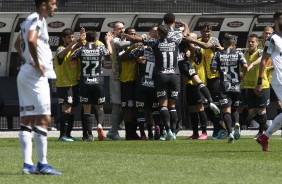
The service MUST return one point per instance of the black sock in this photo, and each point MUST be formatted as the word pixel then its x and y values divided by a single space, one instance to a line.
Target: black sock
pixel 203 120
pixel 64 124
pixel 228 121
pixel 261 119
pixel 235 116
pixel 194 117
pixel 165 117
pixel 173 119
pixel 141 122
pixel 205 91
pixel 216 125
pixel 100 116
pixel 88 122
pixel 70 125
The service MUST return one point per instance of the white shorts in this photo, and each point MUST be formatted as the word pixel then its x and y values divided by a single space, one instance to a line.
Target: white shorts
pixel 115 91
pixel 34 94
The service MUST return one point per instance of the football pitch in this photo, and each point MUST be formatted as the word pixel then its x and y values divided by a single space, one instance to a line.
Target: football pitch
pixel 180 161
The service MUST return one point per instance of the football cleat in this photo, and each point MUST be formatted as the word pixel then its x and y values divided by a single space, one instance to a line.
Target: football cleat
pixel 65 139
pixel 231 138
pixel 113 136
pixel 214 108
pixel 29 169
pixel 203 136
pixel 237 131
pixel 47 169
pixel 101 135
pixel 263 141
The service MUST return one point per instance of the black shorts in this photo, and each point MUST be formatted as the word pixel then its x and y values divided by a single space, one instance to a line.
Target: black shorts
pixel 92 94
pixel 127 94
pixel 243 97
pixel 68 95
pixel 187 69
pixel 255 101
pixel 273 96
pixel 167 86
pixel 230 99
pixel 213 86
pixel 193 95
pixel 145 97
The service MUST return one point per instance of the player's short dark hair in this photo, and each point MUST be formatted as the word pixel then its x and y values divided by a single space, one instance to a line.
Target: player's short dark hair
pixel 231 39
pixel 67 32
pixel 169 18
pixel 91 36
pixel 253 36
pixel 206 25
pixel 127 29
pixel 39 2
pixel 163 30
pixel 277 15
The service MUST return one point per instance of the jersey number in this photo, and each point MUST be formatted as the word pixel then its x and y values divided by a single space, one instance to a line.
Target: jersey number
pixel 233 76
pixel 90 68
pixel 149 70
pixel 167 61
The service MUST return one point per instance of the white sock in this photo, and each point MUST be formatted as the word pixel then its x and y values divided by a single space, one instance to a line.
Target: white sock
pixel 276 125
pixel 40 139
pixel 25 138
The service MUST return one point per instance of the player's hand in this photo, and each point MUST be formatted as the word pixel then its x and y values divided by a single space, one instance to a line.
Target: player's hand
pixel 250 67
pixel 258 90
pixel 40 69
pixel 108 37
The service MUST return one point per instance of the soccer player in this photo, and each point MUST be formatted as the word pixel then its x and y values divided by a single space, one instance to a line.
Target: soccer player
pixel 194 98
pixel 128 82
pixel 227 63
pixel 33 87
pixel 118 44
pixel 166 73
pixel 92 80
pixel 273 47
pixel 145 99
pixel 209 45
pixel 257 104
pixel 67 71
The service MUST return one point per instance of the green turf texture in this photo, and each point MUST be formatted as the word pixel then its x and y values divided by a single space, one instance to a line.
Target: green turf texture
pixel 180 161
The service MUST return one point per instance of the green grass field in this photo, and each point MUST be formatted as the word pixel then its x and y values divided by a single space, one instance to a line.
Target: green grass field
pixel 180 161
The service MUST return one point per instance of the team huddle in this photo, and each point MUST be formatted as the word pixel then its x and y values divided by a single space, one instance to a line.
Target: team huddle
pixel 220 82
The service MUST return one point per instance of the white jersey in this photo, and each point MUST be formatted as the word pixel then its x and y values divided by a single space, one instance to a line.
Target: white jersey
pixel 45 57
pixel 273 46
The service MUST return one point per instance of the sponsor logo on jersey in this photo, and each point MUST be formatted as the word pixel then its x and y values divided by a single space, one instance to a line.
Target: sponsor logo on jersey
pixel 28 108
pixel 236 103
pixel 56 24
pixel 85 52
pixel 91 81
pixel 161 93
pixel 123 104
pixel 139 104
pixel 2 24
pixel 235 24
pixel 148 83
pixel 130 103
pixel 169 70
